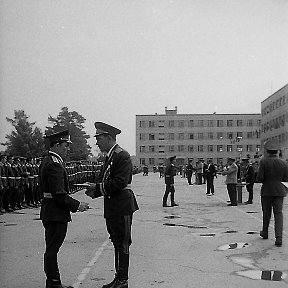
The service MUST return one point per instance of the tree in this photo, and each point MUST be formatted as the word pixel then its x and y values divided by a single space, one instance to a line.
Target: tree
pixel 25 141
pixel 74 123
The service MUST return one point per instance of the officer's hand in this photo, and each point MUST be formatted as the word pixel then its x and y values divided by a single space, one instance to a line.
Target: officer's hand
pixel 90 191
pixel 83 206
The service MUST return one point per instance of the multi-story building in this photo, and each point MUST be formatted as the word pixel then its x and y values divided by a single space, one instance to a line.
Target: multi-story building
pixel 196 136
pixel 274 124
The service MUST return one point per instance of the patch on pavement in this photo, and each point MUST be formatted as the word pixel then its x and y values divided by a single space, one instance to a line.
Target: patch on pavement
pixel 270 275
pixel 230 231
pixel 233 246
pixel 172 217
pixel 252 232
pixel 208 235
pixel 252 212
pixel 10 224
pixel 187 226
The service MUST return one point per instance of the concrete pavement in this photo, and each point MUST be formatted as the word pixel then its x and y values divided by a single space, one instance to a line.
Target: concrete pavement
pixel 201 243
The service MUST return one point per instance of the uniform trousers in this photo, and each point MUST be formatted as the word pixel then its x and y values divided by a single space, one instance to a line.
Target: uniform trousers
pixel 55 233
pixel 249 189
pixel 232 192
pixel 189 176
pixel 119 229
pixel 169 189
pixel 210 184
pixel 276 203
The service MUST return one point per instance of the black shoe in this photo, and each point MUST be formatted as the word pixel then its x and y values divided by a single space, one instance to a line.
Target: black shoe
pixel 248 202
pixel 232 205
pixel 165 205
pixel 116 283
pixel 174 204
pixel 111 284
pixel 53 285
pixel 264 235
pixel 278 242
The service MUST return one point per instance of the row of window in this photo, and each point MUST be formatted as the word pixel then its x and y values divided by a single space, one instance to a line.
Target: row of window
pixel 198 123
pixel 233 136
pixel 198 148
pixel 275 105
pixel 275 123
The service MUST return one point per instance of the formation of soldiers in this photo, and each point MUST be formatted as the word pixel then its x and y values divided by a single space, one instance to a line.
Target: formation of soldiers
pixel 19 180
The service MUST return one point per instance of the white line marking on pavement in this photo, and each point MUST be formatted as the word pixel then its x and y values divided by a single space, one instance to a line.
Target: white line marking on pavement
pixel 86 270
pixel 236 207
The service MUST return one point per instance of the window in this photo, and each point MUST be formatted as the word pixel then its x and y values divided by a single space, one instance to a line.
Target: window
pixel 200 148
pixel 181 123
pixel 229 123
pixel 171 136
pixel 180 148
pixel 259 122
pixel 249 135
pixel 151 149
pixel 210 148
pixel 161 136
pixel 161 149
pixel 151 136
pixel 230 135
pixel 142 124
pixel 191 123
pixel 249 122
pixel 239 148
pixel 249 148
pixel 190 148
pixel 220 123
pixel 171 123
pixel 151 161
pixel 191 135
pixel 181 136
pixel 171 148
pixel 210 123
pixel 142 136
pixel 210 135
pixel 200 123
pixel 229 148
pixel 200 136
pixel 219 135
pixel 142 149
pixel 239 123
pixel 151 124
pixel 220 161
pixel 258 148
pixel 239 136
pixel 219 148
pixel 142 161
pixel 161 124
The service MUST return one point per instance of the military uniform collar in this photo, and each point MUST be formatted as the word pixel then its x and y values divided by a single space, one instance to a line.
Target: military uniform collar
pixel 56 155
pixel 111 149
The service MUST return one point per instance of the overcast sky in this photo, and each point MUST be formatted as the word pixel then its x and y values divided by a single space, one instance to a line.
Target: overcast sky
pixel 111 60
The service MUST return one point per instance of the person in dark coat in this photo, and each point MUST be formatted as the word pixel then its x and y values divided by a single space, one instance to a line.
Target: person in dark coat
pixel 56 205
pixel 210 174
pixel 189 172
pixel 170 172
pixel 249 177
pixel 114 184
pixel 272 171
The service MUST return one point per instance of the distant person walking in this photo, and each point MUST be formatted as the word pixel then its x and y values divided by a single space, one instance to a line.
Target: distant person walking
pixel 272 171
pixel 210 174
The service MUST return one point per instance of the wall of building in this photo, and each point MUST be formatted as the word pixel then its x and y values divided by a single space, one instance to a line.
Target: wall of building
pixel 196 136
pixel 274 111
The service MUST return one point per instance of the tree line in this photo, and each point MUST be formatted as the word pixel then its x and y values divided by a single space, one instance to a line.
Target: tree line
pixel 27 140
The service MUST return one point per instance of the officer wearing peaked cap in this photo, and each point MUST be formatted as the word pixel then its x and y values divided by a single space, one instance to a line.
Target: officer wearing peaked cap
pixel 114 185
pixel 57 204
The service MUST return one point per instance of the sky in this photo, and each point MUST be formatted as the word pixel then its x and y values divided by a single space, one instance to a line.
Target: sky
pixel 110 60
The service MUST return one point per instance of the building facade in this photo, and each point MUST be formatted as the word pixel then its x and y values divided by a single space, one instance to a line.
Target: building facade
pixel 196 136
pixel 274 124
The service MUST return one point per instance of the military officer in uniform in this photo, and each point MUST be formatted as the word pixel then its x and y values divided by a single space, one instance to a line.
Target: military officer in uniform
pixel 114 184
pixel 57 204
pixel 249 177
pixel 170 172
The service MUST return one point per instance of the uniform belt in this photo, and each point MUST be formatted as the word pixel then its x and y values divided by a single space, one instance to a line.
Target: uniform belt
pixel 129 186
pixel 17 178
pixel 31 177
pixel 2 177
pixel 11 177
pixel 48 195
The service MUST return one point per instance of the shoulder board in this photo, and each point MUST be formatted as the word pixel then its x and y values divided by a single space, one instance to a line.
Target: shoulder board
pixel 118 149
pixel 55 159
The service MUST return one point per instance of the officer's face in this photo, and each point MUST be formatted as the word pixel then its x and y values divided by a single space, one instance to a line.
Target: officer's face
pixel 63 149
pixel 103 142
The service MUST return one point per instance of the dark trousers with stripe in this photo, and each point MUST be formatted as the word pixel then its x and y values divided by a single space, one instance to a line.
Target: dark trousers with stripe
pixel 119 229
pixel 55 233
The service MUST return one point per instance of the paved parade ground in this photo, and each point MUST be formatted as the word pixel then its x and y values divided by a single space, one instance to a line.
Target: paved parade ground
pixel 201 243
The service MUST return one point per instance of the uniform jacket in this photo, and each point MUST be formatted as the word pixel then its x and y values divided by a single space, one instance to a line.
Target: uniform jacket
pixel 114 184
pixel 54 185
pixel 272 171
pixel 231 174
pixel 169 174
pixel 211 170
pixel 249 174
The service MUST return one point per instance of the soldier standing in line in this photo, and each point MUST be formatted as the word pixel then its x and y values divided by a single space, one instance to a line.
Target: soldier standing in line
pixel 119 200
pixel 189 172
pixel 9 202
pixel 249 177
pixel 170 172
pixel 3 182
pixel 210 174
pixel 56 205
